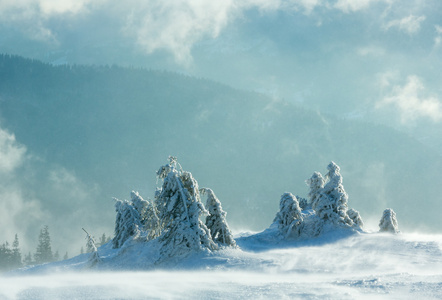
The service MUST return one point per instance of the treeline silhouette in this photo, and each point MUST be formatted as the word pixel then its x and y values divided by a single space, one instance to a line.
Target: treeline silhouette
pixel 11 256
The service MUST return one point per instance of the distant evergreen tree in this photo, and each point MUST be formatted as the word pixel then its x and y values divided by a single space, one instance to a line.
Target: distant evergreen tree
pixel 82 250
pixel 388 222
pixel 289 218
pixel 65 256
pixel 56 256
pixel 16 254
pixel 28 259
pixel 102 239
pixel 44 251
pixel 179 209
pixel 5 256
pixel 216 220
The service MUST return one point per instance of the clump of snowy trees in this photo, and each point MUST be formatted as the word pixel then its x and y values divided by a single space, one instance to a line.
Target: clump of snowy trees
pixel 10 258
pixel 179 222
pixel 326 208
pixel 173 219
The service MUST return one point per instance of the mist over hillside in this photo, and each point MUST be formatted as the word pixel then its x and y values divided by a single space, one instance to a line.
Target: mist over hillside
pixel 373 60
pixel 85 134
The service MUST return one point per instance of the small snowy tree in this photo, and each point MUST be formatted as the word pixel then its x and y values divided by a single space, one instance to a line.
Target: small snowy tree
pixel 331 206
pixel 139 204
pixel 94 258
pixel 316 184
pixel 354 215
pixel 216 220
pixel 148 214
pixel 127 223
pixel 179 209
pixel 388 222
pixel 289 218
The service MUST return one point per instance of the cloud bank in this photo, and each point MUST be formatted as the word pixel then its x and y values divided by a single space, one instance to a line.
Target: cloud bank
pixel 410 24
pixel 411 101
pixel 173 26
pixel 32 196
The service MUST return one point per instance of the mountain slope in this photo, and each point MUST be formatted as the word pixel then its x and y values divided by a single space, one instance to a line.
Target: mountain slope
pixel 113 127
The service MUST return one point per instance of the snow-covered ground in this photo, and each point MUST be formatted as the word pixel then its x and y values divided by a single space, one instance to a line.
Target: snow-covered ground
pixel 337 265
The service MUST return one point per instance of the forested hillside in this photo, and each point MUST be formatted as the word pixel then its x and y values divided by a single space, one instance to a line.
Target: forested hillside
pixel 113 126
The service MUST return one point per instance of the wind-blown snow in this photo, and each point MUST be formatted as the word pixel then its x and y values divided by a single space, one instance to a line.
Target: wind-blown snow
pixel 337 265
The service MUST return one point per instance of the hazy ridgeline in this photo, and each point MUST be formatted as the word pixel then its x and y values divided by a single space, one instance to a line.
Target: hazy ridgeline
pixel 105 130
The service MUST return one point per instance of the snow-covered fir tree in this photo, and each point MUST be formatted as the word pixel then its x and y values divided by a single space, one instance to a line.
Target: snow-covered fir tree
pixel 289 218
pixel 139 204
pixel 316 184
pixel 94 257
pixel 134 218
pixel 331 206
pixel 388 222
pixel 148 214
pixel 216 220
pixel 354 215
pixel 127 223
pixel 179 209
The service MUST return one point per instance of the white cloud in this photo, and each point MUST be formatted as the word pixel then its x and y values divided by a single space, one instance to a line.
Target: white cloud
pixel 171 25
pixel 438 38
pixel 410 102
pixel 12 154
pixel 410 24
pixel 356 5
pixel 27 8
pixel 17 214
pixel 68 185
pixel 177 25
pixel 370 51
pixel 17 210
pixel 32 17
